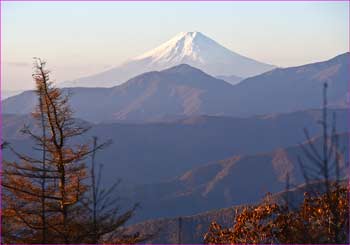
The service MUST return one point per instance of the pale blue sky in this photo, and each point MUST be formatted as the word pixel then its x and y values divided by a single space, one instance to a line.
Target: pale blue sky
pixel 81 38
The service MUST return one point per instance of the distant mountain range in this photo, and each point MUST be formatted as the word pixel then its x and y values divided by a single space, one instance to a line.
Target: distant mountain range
pixel 173 167
pixel 180 90
pixel 146 153
pixel 184 91
pixel 191 48
pixel 294 88
pixel 240 179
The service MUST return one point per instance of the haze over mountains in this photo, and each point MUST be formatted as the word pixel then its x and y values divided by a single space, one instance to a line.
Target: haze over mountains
pixel 193 48
pixel 187 91
pixel 240 179
pixel 171 148
pixel 198 163
pixel 197 127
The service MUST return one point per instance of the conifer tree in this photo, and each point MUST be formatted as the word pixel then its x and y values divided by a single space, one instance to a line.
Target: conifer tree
pixel 45 197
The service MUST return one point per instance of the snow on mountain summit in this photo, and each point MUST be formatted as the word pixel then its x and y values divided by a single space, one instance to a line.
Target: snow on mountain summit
pixel 184 44
pixel 192 48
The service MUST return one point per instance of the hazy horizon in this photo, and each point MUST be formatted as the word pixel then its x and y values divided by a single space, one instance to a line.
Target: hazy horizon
pixel 85 38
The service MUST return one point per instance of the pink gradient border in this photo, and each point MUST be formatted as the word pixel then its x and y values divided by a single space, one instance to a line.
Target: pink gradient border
pixel 174 0
pixel 0 119
pixel 1 70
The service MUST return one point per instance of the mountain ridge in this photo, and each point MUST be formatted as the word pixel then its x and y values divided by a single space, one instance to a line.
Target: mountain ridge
pixel 187 91
pixel 232 181
pixel 178 145
pixel 167 165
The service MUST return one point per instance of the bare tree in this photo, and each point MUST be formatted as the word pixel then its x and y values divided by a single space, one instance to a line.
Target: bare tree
pixel 106 221
pixel 324 171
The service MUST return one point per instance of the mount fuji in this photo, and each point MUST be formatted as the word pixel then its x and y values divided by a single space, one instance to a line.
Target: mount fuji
pixel 192 48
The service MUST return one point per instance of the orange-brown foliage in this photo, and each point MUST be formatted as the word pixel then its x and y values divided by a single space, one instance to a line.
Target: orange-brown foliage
pixel 314 221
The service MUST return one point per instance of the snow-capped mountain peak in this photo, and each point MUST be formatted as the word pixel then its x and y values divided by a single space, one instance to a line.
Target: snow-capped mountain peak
pixel 198 50
pixel 182 45
pixel 192 48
